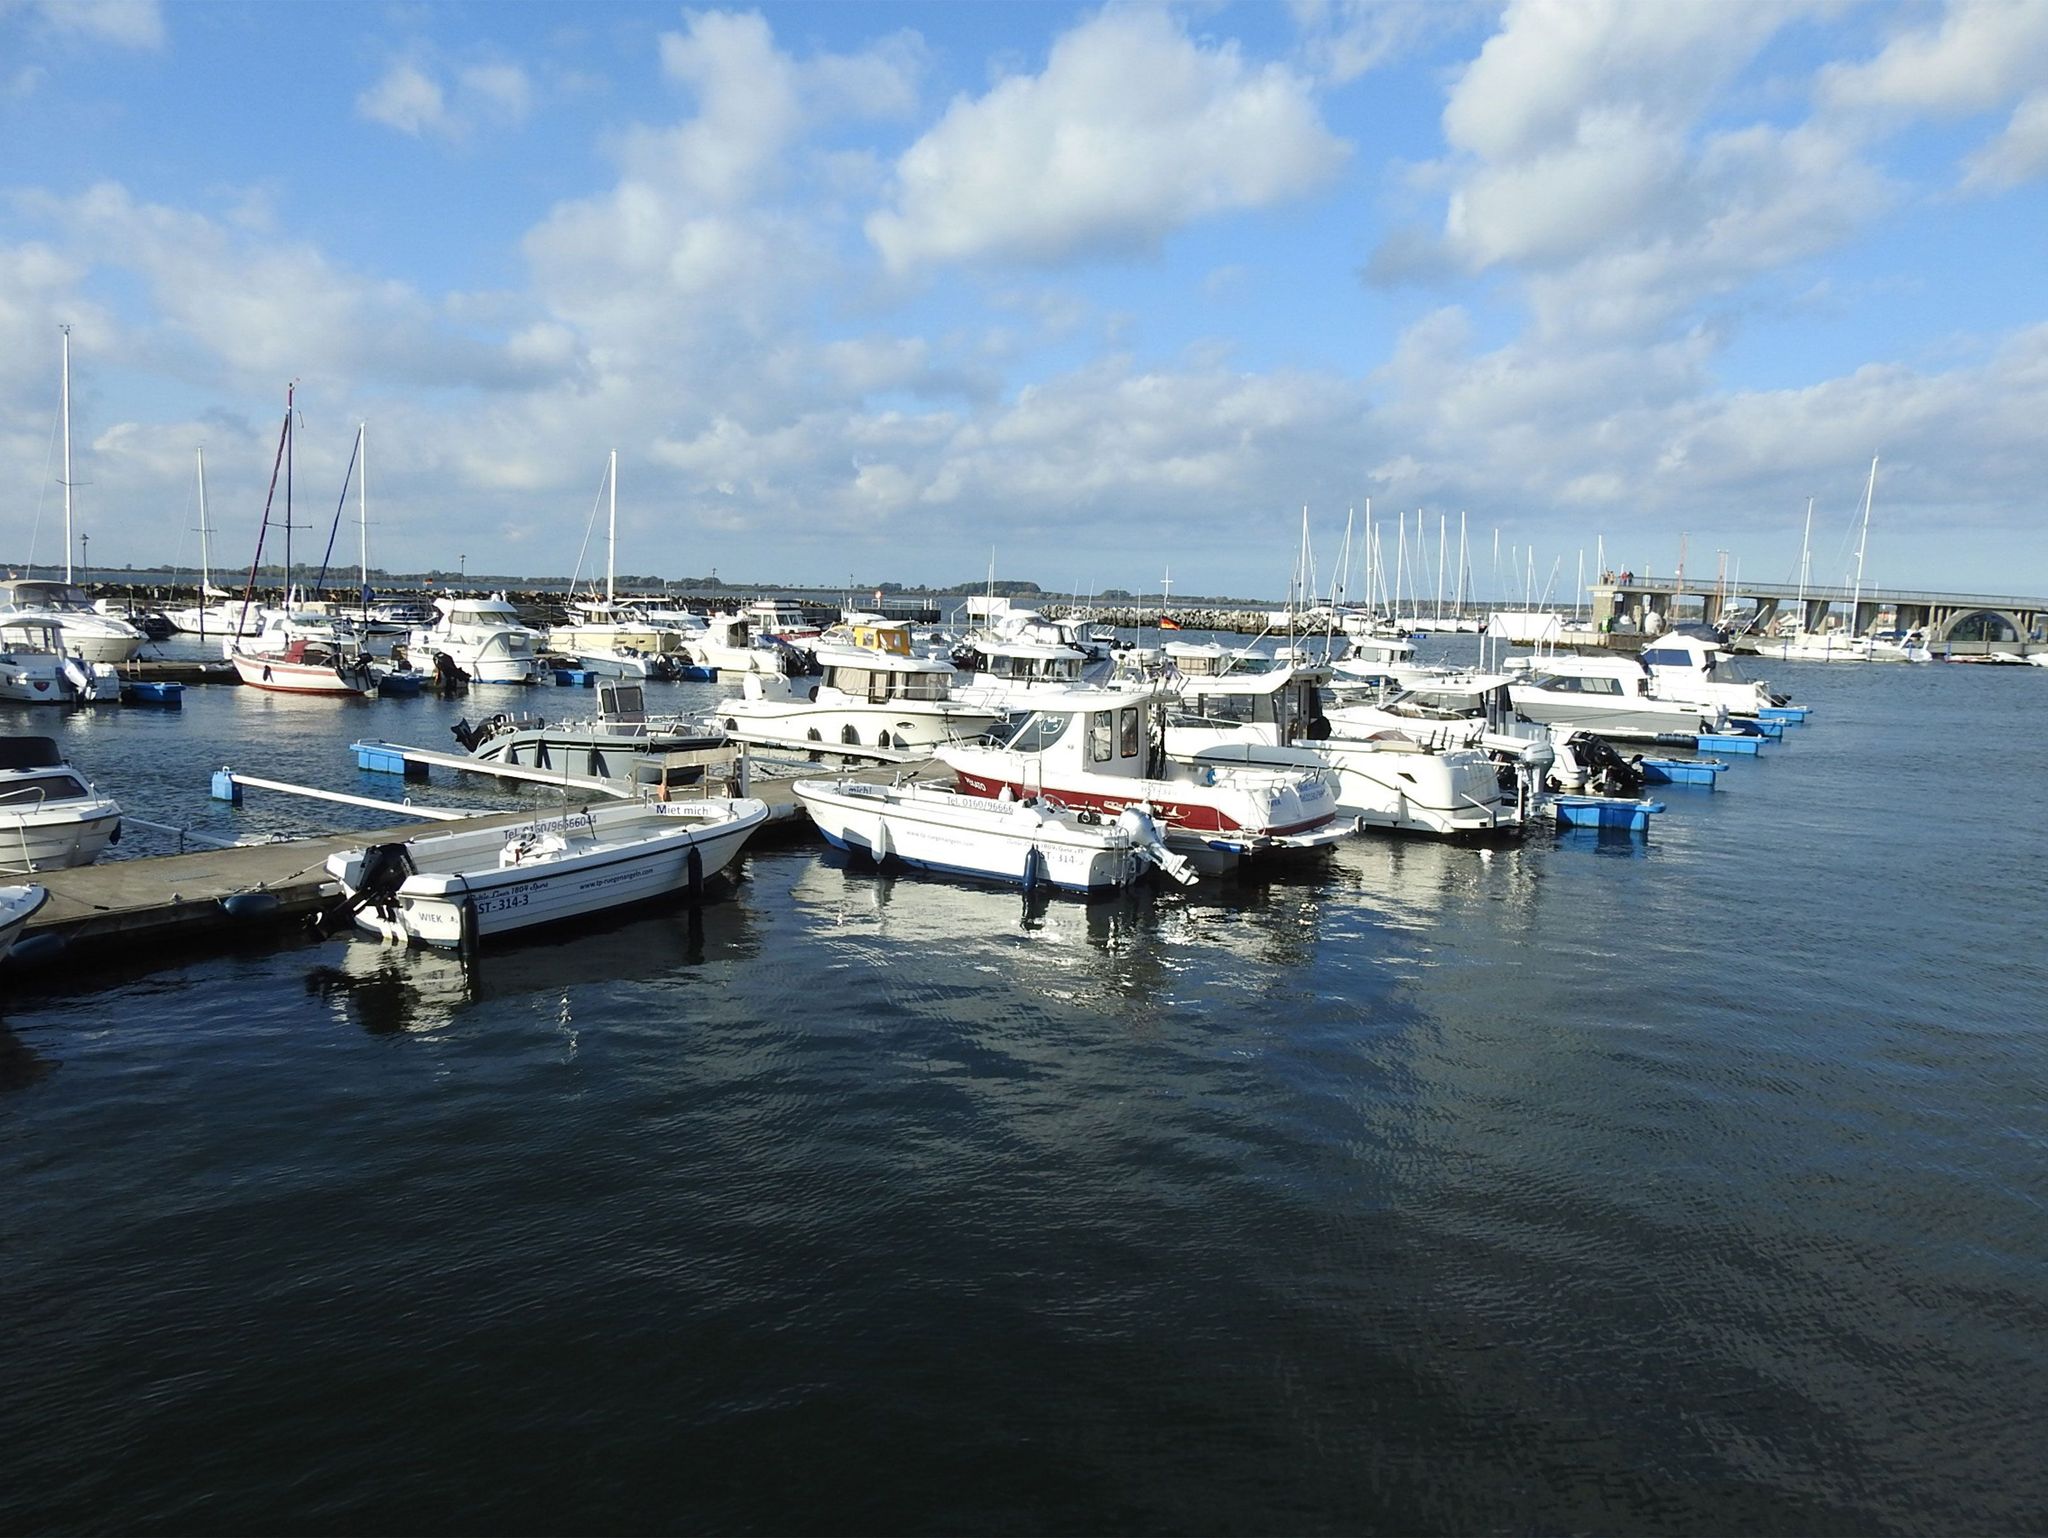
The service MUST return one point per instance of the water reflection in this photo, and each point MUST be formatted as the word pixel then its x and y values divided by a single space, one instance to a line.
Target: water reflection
pixel 387 989
pixel 20 1064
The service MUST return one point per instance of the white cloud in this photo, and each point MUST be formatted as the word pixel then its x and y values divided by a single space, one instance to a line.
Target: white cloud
pixel 410 98
pixel 2019 154
pixel 1982 54
pixel 1344 39
pixel 1132 131
pixel 124 23
pixel 406 99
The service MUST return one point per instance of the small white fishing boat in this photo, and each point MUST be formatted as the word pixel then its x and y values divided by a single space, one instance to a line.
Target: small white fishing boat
pixel 619 741
pixel 453 889
pixel 18 904
pixel 1027 842
pixel 1268 713
pixel 1103 749
pixel 51 817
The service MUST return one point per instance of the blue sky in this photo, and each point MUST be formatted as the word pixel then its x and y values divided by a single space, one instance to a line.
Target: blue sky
pixel 886 292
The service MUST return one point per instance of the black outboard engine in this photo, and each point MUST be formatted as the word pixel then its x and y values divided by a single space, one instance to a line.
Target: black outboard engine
pixel 385 869
pixel 1607 772
pixel 448 678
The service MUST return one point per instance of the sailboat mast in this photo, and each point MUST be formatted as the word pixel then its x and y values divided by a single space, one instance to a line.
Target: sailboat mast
pixel 1442 528
pixel 205 552
pixel 1862 542
pixel 363 514
pixel 66 413
pixel 611 534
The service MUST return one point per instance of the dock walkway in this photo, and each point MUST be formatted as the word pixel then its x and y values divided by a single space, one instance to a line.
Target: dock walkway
pixel 191 898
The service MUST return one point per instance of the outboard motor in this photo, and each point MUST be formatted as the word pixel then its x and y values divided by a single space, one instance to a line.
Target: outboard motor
pixel 385 869
pixel 1145 835
pixel 1591 761
pixel 448 677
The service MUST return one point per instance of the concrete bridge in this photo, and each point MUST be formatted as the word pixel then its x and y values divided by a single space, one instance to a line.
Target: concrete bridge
pixel 1959 621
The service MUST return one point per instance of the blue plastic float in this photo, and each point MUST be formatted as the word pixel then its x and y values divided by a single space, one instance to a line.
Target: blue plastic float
pixel 1618 812
pixel 1681 771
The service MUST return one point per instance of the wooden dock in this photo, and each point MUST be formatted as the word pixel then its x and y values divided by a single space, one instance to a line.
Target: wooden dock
pixel 205 899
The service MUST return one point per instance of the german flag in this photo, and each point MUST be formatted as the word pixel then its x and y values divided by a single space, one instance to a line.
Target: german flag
pixel 1168 622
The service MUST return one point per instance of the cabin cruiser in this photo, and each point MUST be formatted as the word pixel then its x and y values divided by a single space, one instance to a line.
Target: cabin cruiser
pixel 34 669
pixel 1004 673
pixel 1691 668
pixel 726 645
pixel 484 637
pixel 1273 716
pixel 87 634
pixel 1102 748
pixel 872 692
pixel 51 817
pixel 621 741
pixel 785 618
pixel 1610 695
pixel 608 638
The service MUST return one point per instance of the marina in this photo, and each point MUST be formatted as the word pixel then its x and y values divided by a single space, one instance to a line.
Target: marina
pixel 1493 1136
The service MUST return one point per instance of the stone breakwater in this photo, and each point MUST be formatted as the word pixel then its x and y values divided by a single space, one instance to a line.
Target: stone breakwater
pixel 1238 621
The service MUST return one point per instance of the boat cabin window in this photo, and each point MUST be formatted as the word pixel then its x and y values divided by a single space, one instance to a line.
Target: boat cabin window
pixel 1101 736
pixel 39 788
pixel 1127 733
pixel 1037 731
pixel 921 686
pixel 1573 683
pixel 1225 707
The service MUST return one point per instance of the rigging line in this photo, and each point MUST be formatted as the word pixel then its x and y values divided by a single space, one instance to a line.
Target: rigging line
pixel 589 528
pixel 320 587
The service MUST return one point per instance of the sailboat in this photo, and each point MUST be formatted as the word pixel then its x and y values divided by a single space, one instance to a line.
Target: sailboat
pixel 83 632
pixel 602 636
pixel 1843 644
pixel 205 617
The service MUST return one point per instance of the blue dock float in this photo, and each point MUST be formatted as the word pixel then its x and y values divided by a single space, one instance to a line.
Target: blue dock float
pixel 1682 771
pixel 379 757
pixel 575 678
pixel 1718 742
pixel 1795 714
pixel 1618 812
pixel 1756 726
pixel 154 692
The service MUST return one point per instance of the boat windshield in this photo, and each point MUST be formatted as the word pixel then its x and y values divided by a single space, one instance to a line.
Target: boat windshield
pixel 1032 732
pixel 35 789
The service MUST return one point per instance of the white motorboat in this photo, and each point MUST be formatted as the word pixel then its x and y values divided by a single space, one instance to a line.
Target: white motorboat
pixel 1270 715
pixel 725 644
pixel 1004 673
pixel 784 618
pixel 620 741
pixel 86 633
pixel 1102 749
pixel 18 904
pixel 1610 695
pixel 873 693
pixel 452 889
pixel 34 669
pixel 484 637
pixel 1695 670
pixel 1026 842
pixel 51 817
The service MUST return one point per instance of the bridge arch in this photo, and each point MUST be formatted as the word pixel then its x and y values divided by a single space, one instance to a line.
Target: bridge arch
pixel 1979 625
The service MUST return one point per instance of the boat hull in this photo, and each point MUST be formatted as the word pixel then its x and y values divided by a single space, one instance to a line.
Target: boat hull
pixel 465 887
pixel 936 829
pixel 1397 785
pixel 59 836
pixel 18 904
pixel 281 677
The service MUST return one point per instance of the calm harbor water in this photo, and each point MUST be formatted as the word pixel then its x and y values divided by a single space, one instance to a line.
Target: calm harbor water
pixel 1687 1183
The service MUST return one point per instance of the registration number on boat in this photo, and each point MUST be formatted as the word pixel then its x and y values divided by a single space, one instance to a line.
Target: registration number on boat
pixel 501 903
